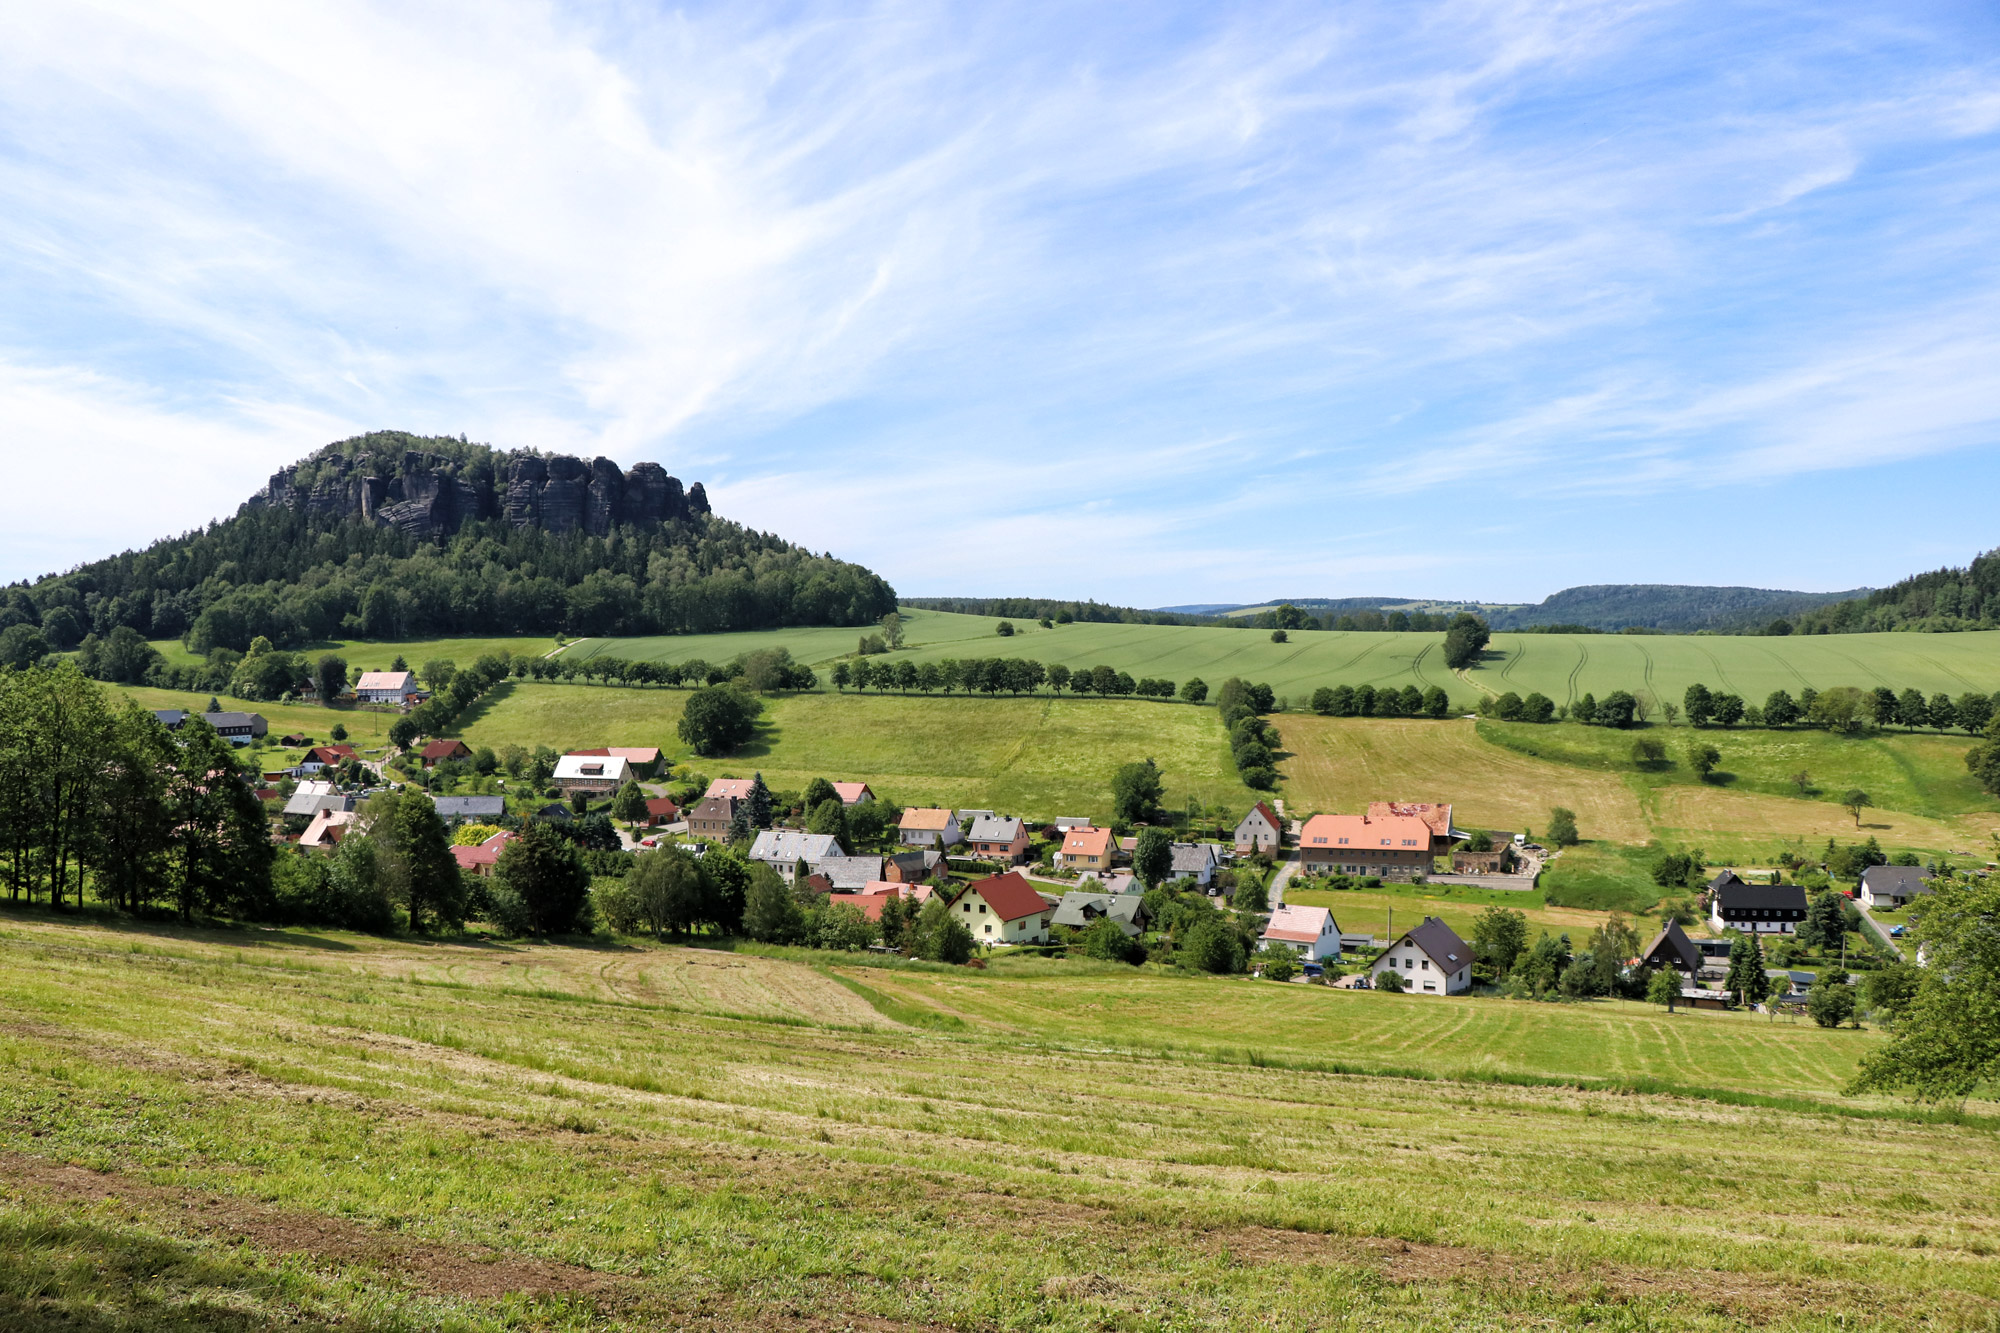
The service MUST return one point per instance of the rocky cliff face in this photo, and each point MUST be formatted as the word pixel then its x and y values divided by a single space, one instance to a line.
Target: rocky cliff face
pixel 427 496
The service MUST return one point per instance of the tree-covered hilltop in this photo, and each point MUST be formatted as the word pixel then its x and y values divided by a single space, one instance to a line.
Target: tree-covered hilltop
pixel 392 536
pixel 1942 600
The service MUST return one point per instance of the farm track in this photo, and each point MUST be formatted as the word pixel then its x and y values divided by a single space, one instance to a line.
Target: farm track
pixel 1721 676
pixel 1858 665
pixel 1514 659
pixel 1792 667
pixel 1647 658
pixel 1582 660
pixel 1949 671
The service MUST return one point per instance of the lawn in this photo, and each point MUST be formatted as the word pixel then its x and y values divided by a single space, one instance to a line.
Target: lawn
pixel 1369 911
pixel 1561 666
pixel 244 1130
pixel 1037 757
pixel 366 726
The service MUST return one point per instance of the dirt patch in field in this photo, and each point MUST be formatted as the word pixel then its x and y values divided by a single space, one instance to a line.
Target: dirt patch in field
pixel 1756 1298
pixel 473 1271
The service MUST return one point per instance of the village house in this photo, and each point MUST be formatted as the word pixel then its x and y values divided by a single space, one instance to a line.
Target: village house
pixel 1311 932
pixel 846 874
pixel 852 793
pixel 912 867
pixel 1005 909
pixel 387 687
pixel 171 718
pixel 783 849
pixel 1389 846
pixel 309 798
pixel 870 904
pixel 1260 831
pixel 1078 910
pixel 737 789
pixel 480 858
pixel 470 809
pixel 998 838
pixel 923 826
pixel 237 728
pixel 597 775
pixel 328 827
pixel 644 760
pixel 1672 948
pixel 1430 958
pixel 1436 818
pixel 324 756
pixel 1892 886
pixel 1195 861
pixel 1087 849
pixel 713 818
pixel 661 811
pixel 1755 909
pixel 1112 881
pixel 438 752
pixel 295 740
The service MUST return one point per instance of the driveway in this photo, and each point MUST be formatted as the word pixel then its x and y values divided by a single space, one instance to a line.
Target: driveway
pixel 1880 931
pixel 1274 896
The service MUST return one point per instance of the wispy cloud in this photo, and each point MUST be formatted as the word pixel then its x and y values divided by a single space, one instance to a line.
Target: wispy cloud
pixel 1215 297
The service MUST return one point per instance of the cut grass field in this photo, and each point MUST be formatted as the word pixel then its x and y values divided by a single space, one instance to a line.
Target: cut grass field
pixel 1508 776
pixel 369 655
pixel 249 1130
pixel 1038 757
pixel 366 726
pixel 1564 667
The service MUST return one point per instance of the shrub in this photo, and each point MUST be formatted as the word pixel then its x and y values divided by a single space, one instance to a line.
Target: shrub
pixel 1280 964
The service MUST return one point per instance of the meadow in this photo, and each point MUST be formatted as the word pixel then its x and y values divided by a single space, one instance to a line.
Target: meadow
pixel 1041 757
pixel 248 1130
pixel 368 655
pixel 1564 667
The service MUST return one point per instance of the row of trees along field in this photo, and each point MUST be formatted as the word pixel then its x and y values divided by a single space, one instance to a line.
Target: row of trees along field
pixel 1845 709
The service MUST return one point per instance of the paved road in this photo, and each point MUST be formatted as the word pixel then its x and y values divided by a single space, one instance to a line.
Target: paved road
pixel 1880 931
pixel 1274 896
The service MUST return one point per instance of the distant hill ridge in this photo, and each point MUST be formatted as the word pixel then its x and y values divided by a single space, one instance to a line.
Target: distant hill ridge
pixel 1667 607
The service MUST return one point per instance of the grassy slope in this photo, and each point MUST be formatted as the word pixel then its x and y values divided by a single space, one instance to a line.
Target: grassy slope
pixel 1340 763
pixel 1367 911
pixel 365 655
pixel 300 1133
pixel 1040 757
pixel 1560 666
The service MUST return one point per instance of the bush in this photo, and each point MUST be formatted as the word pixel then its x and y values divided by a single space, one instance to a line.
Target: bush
pixel 1280 965
pixel 1105 940
pixel 1389 980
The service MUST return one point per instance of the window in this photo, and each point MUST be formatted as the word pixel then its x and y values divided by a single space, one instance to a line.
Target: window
pixel 989 927
pixel 1427 964
pixel 982 909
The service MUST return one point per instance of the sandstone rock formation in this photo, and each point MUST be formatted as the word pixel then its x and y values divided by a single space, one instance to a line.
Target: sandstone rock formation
pixel 427 496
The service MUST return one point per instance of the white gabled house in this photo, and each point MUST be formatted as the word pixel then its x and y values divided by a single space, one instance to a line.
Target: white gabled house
pixel 1430 958
pixel 1311 932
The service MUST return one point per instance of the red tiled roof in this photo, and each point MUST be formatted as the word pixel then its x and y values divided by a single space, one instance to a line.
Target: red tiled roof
pixel 661 805
pixel 851 792
pixel 1365 833
pixel 736 787
pixel 1010 895
pixel 871 903
pixel 926 819
pixel 446 749
pixel 1437 817
pixel 483 854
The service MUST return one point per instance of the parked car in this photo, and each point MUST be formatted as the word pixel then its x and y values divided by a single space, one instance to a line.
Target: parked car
pixel 1896 931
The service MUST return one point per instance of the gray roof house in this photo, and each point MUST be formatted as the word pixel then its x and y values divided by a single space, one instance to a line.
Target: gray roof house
pixel 847 873
pixel 783 848
pixel 237 728
pixel 470 807
pixel 1892 886
pixel 309 798
pixel 1078 910
pixel 1195 861
pixel 1431 958
pixel 171 718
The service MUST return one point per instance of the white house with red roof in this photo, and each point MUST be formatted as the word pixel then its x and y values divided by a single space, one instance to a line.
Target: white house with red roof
pixel 1005 909
pixel 1391 847
pixel 852 793
pixel 1311 932
pixel 1260 831
pixel 481 857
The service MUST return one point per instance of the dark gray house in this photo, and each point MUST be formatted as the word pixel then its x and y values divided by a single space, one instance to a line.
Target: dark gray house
pixel 237 728
pixel 1755 909
pixel 1892 886
pixel 470 809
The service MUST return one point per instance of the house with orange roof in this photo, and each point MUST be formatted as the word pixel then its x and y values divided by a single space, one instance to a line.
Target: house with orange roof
pixel 871 904
pixel 1005 909
pixel 1436 817
pixel 923 826
pixel 1087 848
pixel 852 793
pixel 1391 846
pixel 735 789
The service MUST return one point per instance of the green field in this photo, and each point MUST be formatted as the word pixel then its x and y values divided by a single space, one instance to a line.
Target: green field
pixel 1038 757
pixel 365 655
pixel 248 1130
pixel 1564 667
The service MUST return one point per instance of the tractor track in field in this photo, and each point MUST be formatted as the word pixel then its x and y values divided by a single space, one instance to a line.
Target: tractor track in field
pixel 1582 660
pixel 1792 667
pixel 1856 663
pixel 1720 674
pixel 1941 667
pixel 1647 675
pixel 1514 659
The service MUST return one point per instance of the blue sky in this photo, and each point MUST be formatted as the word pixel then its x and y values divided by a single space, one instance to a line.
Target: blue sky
pixel 1145 302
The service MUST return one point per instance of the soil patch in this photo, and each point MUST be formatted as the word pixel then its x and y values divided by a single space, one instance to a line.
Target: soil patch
pixel 473 1271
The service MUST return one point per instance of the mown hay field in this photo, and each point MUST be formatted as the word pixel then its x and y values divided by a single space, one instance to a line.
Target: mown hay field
pixel 1508 776
pixel 1562 666
pixel 262 1129
pixel 370 655
pixel 1039 757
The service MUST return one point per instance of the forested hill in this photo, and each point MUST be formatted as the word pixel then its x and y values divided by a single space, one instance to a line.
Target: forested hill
pixel 390 536
pixel 1944 599
pixel 1667 607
